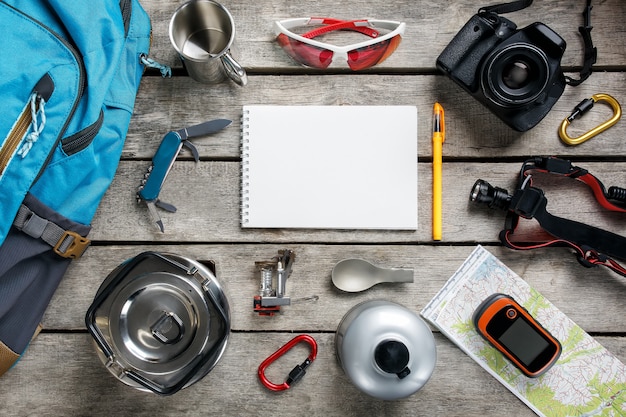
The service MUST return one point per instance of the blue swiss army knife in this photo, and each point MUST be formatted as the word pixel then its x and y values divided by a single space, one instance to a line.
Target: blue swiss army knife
pixel 163 159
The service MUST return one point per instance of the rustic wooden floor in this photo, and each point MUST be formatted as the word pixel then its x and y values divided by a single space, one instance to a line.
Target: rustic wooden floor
pixel 60 373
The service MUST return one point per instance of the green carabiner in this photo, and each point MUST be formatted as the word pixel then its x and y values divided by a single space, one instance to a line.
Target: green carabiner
pixel 581 109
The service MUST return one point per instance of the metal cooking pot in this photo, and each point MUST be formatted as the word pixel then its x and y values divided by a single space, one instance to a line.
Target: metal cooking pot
pixel 160 322
pixel 385 349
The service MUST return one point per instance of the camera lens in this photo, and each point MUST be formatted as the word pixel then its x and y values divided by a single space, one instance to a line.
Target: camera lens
pixel 515 75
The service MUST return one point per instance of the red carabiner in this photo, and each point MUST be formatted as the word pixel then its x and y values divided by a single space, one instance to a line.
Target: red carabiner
pixel 298 372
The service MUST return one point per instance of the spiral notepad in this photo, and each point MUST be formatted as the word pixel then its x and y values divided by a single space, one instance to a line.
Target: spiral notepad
pixel 329 167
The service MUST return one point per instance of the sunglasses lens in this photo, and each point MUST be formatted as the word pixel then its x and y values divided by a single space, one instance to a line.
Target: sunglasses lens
pixel 371 55
pixel 305 54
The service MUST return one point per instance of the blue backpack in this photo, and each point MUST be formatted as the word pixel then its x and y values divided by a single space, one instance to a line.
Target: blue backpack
pixel 69 76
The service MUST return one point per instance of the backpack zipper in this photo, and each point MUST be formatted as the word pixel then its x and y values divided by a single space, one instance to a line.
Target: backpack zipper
pixel 126 7
pixel 17 133
pixel 43 90
pixel 81 82
pixel 79 141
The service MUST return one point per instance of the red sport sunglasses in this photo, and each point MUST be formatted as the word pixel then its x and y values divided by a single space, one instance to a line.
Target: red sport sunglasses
pixel 307 51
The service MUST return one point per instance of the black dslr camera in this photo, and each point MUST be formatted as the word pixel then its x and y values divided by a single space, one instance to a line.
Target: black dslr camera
pixel 515 73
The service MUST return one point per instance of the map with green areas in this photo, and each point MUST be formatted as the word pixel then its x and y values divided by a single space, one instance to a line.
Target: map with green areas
pixel 587 379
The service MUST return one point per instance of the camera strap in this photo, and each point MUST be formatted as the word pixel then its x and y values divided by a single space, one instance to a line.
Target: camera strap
pixel 593 246
pixel 591 52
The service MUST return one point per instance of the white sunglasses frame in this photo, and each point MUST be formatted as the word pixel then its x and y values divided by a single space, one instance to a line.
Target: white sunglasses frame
pixel 283 26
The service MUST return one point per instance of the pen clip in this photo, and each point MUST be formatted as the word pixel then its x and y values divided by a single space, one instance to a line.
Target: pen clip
pixel 439 125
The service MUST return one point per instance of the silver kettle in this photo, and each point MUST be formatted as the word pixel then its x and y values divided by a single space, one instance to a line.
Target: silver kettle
pixel 385 349
pixel 160 322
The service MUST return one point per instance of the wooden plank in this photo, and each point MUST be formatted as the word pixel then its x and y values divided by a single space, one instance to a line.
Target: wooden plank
pixel 587 296
pixel 431 26
pixel 472 130
pixel 77 384
pixel 208 198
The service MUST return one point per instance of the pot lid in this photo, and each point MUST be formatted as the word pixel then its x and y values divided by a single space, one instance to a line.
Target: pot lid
pixel 387 350
pixel 161 321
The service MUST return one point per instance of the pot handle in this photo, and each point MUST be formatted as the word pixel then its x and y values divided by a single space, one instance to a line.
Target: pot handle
pixel 168 329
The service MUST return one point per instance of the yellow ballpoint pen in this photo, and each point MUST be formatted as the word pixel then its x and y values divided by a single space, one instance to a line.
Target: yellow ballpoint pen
pixel 439 136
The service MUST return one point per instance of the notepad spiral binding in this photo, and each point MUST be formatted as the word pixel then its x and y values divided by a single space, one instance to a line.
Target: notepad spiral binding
pixel 245 169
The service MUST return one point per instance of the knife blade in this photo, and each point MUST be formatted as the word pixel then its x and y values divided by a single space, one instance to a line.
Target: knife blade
pixel 203 129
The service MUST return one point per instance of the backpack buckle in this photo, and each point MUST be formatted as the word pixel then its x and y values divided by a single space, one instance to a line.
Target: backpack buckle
pixel 71 245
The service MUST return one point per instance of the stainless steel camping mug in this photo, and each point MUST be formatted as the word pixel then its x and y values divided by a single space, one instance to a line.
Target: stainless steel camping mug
pixel 202 32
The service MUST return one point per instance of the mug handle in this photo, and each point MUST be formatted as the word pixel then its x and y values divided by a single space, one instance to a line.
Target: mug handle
pixel 234 71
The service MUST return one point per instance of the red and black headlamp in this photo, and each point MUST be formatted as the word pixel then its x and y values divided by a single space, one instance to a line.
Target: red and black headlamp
pixel 593 246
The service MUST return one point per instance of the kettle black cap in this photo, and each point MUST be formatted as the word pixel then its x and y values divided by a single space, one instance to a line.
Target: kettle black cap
pixel 392 357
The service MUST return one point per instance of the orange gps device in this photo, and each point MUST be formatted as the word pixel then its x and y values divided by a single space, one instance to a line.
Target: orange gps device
pixel 513 331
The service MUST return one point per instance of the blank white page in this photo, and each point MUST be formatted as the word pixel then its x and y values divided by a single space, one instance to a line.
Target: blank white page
pixel 329 167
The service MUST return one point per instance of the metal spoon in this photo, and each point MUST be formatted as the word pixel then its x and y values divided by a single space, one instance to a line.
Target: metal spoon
pixel 354 275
